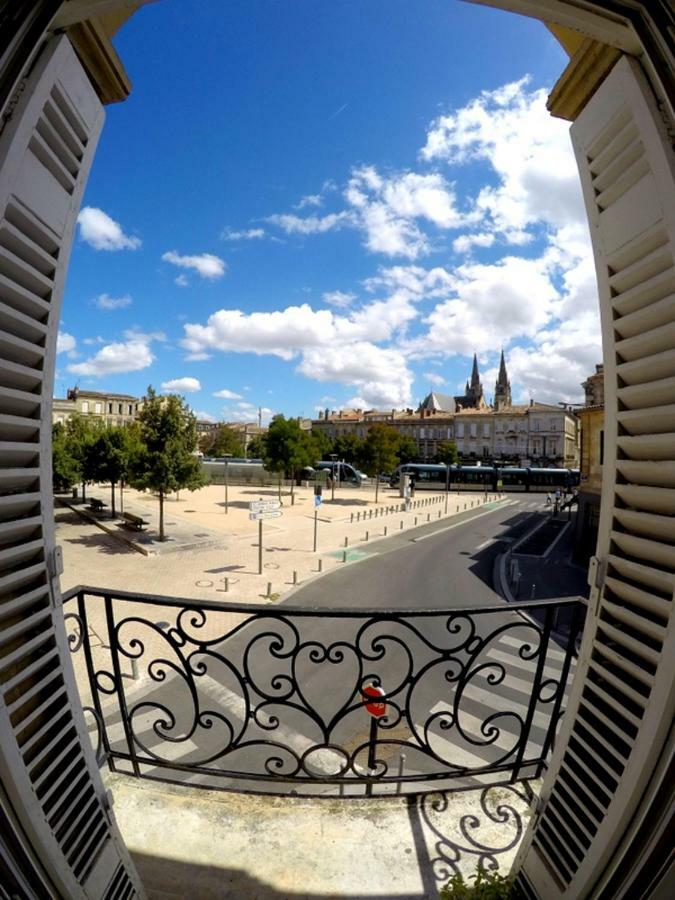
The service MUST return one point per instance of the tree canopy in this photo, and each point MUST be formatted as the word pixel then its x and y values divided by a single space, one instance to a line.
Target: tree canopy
pixel 380 452
pixel 166 460
pixel 225 442
pixel 288 448
pixel 447 453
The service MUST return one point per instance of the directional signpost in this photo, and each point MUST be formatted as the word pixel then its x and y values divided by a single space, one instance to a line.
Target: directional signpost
pixel 258 510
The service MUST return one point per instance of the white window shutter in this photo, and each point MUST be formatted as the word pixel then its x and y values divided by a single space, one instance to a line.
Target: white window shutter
pixel 50 788
pixel 602 800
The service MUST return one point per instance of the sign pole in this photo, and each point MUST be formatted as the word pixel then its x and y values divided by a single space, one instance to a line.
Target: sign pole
pixel 316 520
pixel 260 564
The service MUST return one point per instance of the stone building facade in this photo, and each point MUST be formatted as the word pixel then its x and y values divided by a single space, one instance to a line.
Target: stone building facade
pixel 103 406
pixel 532 434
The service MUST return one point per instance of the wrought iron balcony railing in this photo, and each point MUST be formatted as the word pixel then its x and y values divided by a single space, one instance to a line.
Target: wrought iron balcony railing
pixel 314 702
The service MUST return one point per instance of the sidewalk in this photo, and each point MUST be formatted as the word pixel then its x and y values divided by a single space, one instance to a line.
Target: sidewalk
pixel 550 576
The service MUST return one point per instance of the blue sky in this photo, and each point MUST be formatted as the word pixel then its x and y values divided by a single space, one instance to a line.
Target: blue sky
pixel 309 205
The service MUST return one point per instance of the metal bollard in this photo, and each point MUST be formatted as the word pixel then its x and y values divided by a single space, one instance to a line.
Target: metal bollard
pixel 400 525
pixel 269 588
pixel 439 513
pixel 295 576
pixel 134 669
pixel 428 517
pixel 367 536
pixel 401 769
pixel 226 584
pixel 346 542
pixel 415 520
pixel 320 568
pixel 344 556
pixel 351 518
pixel 385 530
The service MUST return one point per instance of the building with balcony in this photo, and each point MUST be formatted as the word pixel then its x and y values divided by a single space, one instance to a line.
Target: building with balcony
pixel 101 406
pixel 592 419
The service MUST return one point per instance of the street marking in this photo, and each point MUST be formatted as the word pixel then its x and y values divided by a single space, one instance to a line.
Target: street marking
pixel 486 512
pixel 485 543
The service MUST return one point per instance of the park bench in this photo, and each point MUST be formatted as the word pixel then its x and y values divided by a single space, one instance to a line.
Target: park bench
pixel 96 505
pixel 134 521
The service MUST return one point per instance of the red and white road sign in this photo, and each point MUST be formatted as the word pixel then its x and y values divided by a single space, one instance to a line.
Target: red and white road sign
pixel 376 708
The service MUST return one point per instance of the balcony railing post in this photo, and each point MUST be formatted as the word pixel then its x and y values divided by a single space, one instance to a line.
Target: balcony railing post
pixel 119 688
pixel 91 675
pixel 534 696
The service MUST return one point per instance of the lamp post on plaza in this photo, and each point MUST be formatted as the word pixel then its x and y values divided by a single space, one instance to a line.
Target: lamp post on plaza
pixel 226 483
pixel 333 472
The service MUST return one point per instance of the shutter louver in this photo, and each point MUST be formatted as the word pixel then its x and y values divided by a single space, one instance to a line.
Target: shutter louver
pixel 46 764
pixel 614 738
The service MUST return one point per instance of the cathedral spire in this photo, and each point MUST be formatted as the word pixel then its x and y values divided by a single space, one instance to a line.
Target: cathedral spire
pixel 475 379
pixel 502 386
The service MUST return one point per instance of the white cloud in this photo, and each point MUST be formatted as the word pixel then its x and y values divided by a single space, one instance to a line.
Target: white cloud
pixel 227 395
pixel 339 299
pixel 106 302
pixel 94 340
pixel 203 416
pixel 181 280
pixel 309 200
pixel 65 343
pixel 311 224
pixel 146 337
pixel 530 152
pixel 103 233
pixel 182 385
pixel 438 380
pixel 490 305
pixel 205 264
pixel 197 357
pixel 249 234
pixel 465 242
pixel 113 359
pixel 247 412
pixel 380 376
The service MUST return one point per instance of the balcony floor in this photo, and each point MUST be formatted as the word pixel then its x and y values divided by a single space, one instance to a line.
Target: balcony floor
pixel 202 844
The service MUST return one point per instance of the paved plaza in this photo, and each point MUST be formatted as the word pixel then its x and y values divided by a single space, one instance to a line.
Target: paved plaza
pixel 212 551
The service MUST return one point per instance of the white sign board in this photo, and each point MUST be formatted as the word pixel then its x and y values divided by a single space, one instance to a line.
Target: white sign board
pixel 264 505
pixel 265 514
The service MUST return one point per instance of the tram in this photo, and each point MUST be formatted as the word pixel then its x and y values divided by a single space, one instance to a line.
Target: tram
pixel 480 478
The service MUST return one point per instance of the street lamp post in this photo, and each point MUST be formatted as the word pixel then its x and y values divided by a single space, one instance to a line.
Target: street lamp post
pixel 333 472
pixel 226 485
pixel 447 485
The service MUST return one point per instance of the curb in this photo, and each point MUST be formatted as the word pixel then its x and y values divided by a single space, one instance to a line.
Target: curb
pixel 83 514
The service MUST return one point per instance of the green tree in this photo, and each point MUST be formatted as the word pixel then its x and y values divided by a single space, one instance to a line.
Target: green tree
pixel 226 442
pixel 380 452
pixel 447 453
pixel 256 447
pixel 112 451
pixel 348 447
pixel 288 449
pixel 166 461
pixel 80 434
pixel 407 449
pixel 66 468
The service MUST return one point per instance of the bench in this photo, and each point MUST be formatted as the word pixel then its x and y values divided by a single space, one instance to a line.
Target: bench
pixel 134 521
pixel 97 505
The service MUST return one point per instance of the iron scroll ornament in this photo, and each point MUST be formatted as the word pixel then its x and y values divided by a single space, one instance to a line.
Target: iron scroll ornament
pixel 275 702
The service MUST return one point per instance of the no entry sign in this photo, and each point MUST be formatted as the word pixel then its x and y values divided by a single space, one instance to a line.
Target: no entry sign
pixel 376 708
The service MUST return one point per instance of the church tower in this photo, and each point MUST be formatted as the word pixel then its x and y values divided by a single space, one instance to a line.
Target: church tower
pixel 475 389
pixel 502 386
